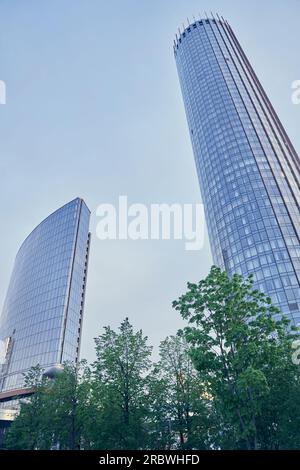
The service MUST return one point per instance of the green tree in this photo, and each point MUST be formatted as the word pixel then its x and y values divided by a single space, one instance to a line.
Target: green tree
pixel 120 379
pixel 158 419
pixel 54 416
pixel 28 430
pixel 184 398
pixel 243 355
pixel 66 406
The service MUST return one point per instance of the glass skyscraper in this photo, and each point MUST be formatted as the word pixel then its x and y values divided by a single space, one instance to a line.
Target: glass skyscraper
pixel 248 170
pixel 42 315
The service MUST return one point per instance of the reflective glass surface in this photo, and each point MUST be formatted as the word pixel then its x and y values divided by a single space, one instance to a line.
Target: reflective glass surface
pixel 42 313
pixel 247 167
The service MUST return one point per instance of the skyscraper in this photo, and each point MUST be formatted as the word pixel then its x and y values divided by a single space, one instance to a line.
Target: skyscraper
pixel 41 320
pixel 248 170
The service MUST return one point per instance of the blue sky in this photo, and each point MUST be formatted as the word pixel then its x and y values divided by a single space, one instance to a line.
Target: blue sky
pixel 94 109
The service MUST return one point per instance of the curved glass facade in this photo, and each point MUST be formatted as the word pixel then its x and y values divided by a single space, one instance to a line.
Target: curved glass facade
pixel 248 170
pixel 42 314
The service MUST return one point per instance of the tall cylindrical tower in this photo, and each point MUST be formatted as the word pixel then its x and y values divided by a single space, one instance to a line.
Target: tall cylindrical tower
pixel 248 170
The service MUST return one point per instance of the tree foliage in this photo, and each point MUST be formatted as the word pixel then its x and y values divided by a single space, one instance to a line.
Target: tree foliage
pixel 225 381
pixel 244 356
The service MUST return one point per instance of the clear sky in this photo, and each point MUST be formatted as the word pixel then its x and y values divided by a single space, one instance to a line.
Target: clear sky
pixel 94 110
